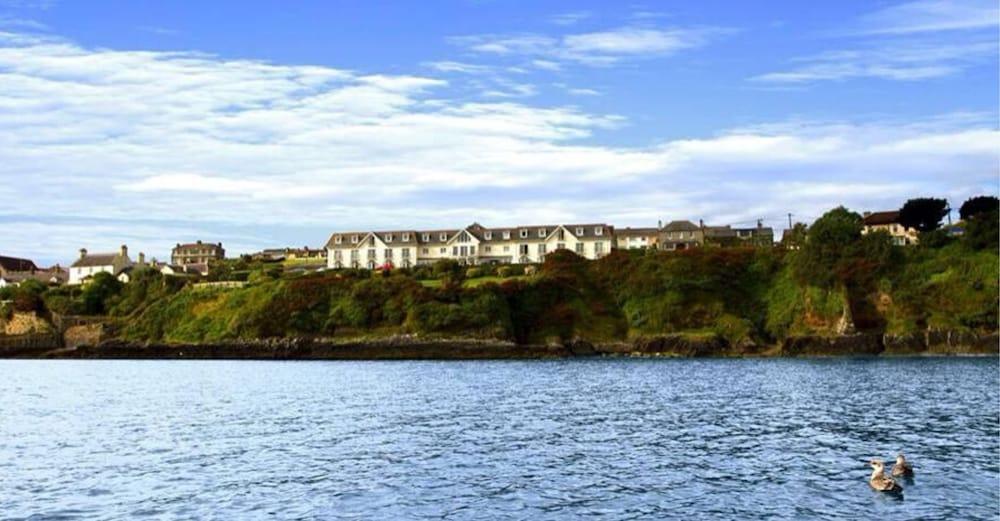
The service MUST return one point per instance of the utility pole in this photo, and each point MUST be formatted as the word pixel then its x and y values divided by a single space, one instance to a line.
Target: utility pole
pixel 789 220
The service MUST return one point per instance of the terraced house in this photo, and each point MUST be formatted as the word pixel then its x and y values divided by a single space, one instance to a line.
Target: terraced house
pixel 472 245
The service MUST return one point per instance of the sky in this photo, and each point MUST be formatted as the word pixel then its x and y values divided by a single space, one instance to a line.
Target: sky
pixel 272 124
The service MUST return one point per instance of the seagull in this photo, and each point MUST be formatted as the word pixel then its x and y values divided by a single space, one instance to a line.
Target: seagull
pixel 879 481
pixel 902 468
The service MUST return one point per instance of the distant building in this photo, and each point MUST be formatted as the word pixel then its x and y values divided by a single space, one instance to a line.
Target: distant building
pixel 889 222
pixel 10 265
pixel 636 238
pixel 681 235
pixel 759 236
pixel 474 244
pixel 90 264
pixel 197 255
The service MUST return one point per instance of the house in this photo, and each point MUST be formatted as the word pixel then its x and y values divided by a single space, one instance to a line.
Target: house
pixel 90 264
pixel 759 236
pixel 636 238
pixel 197 255
pixel 472 245
pixel 681 235
pixel 889 223
pixel 10 265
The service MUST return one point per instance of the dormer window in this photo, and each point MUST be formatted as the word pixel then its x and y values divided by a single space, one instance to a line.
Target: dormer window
pixel 488 235
pixel 541 232
pixel 354 239
pixel 579 232
pixel 524 234
pixel 444 236
pixel 598 230
pixel 506 235
pixel 406 237
pixel 426 237
pixel 336 240
pixel 388 237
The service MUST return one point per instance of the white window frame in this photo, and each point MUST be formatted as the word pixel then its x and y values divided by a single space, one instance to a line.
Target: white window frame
pixel 488 235
pixel 579 232
pixel 388 237
pixel 598 230
pixel 444 236
pixel 541 232
pixel 406 237
pixel 426 237
pixel 354 239
pixel 337 239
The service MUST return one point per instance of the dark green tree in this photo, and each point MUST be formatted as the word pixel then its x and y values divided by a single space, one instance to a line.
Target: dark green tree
pixel 981 204
pixel 98 291
pixel 828 245
pixel 923 213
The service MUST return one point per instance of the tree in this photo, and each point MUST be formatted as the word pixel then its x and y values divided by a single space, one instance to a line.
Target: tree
pixel 829 242
pixel 96 293
pixel 979 205
pixel 923 213
pixel 795 237
pixel 982 231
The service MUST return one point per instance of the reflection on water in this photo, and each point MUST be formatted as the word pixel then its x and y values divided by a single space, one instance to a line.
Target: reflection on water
pixel 625 439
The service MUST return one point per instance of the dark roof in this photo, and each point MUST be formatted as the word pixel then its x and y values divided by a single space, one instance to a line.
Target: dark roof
pixel 96 259
pixel 16 264
pixel 680 226
pixel 190 245
pixel 876 218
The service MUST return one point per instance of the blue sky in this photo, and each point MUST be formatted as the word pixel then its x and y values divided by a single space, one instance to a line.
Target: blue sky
pixel 271 124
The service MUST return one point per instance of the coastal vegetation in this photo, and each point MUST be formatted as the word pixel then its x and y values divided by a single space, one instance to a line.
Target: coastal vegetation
pixel 834 280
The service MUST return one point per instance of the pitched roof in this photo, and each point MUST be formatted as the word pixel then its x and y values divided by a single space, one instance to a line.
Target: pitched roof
pixel 635 232
pixel 680 226
pixel 16 264
pixel 876 218
pixel 96 259
pixel 481 233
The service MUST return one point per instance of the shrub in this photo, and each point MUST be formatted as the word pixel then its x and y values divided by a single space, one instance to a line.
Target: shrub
pixel 473 273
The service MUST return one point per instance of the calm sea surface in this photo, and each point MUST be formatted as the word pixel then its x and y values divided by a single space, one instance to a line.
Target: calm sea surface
pixel 618 439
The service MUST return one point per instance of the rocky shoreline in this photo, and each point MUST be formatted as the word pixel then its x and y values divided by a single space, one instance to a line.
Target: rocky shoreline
pixel 941 343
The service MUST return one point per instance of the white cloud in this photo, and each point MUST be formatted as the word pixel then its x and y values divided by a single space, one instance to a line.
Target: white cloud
pixel 599 48
pixel 572 18
pixel 102 147
pixel 932 15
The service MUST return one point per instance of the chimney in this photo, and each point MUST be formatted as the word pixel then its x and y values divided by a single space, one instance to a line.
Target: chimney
pixel 760 223
pixel 83 252
pixel 123 251
pixel 198 242
pixel 142 258
pixel 659 223
pixel 701 223
pixel 866 214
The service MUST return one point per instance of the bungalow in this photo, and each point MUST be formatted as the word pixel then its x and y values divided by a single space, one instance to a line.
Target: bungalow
pixel 87 265
pixel 889 222
pixel 474 244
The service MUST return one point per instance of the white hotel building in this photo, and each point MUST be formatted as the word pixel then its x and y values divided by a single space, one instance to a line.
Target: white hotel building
pixel 472 245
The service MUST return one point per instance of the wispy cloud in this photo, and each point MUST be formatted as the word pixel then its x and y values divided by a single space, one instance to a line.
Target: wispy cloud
pixel 594 48
pixel 911 41
pixel 931 16
pixel 572 18
pixel 902 61
pixel 162 31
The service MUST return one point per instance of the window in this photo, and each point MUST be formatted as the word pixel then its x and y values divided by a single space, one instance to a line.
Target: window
pixel 598 247
pixel 523 249
pixel 464 251
pixel 524 234
pixel 354 239
pixel 336 240
pixel 454 251
pixel 444 250
pixel 579 232
pixel 354 255
pixel 487 249
pixel 506 235
pixel 598 230
pixel 579 248
pixel 463 237
pixel 406 253
pixel 371 253
pixel 472 250
pixel 444 236
pixel 562 234
pixel 425 251
pixel 388 253
pixel 388 237
pixel 541 250
pixel 506 249
pixel 406 237
pixel 541 232
pixel 488 235
pixel 560 245
pixel 425 237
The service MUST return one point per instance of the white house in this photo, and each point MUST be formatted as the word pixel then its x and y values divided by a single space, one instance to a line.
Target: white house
pixel 474 244
pixel 90 264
